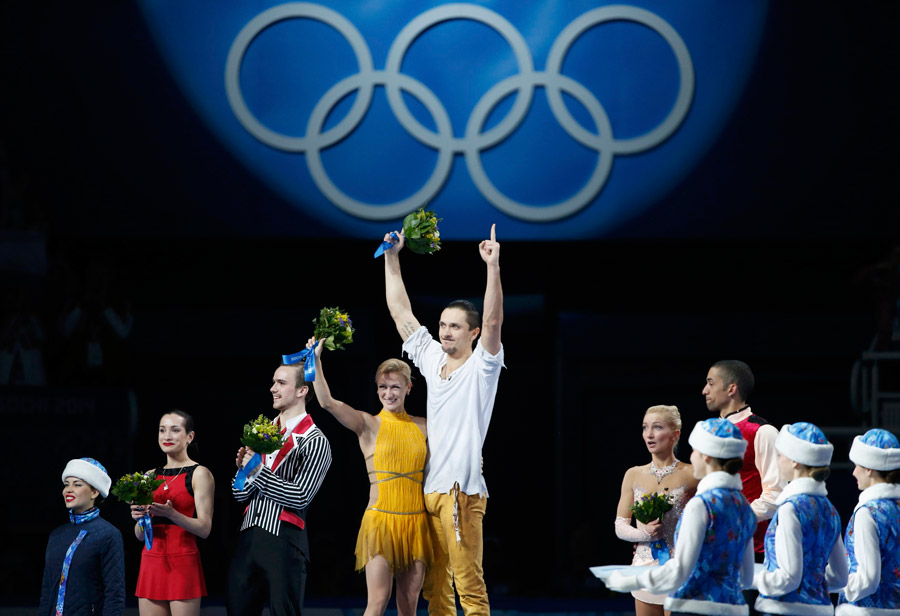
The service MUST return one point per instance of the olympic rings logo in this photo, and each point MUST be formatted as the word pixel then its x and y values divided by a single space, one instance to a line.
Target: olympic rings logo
pixel 474 140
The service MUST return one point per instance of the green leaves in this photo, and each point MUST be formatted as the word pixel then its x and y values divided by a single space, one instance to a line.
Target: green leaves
pixel 262 436
pixel 137 488
pixel 334 328
pixel 421 231
pixel 651 506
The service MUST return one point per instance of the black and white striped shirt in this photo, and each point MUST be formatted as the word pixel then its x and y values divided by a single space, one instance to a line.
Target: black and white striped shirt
pixel 290 487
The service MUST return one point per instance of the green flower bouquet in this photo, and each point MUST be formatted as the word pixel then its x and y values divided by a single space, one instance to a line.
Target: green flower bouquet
pixel 652 506
pixel 137 488
pixel 333 328
pixel 421 231
pixel 262 436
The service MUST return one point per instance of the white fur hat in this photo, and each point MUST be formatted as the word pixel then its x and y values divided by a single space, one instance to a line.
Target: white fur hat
pixel 876 449
pixel 88 469
pixel 805 443
pixel 718 438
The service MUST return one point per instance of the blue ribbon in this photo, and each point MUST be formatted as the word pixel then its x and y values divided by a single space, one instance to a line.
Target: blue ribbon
pixel 244 472
pixel 385 246
pixel 309 370
pixel 64 576
pixel 660 551
pixel 147 526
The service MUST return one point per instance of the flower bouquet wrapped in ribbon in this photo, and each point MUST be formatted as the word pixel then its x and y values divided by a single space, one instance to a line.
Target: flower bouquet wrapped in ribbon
pixel 654 507
pixel 421 232
pixel 263 437
pixel 334 328
pixel 138 488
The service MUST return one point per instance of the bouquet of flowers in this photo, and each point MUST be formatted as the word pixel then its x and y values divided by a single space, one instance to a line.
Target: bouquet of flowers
pixel 262 436
pixel 421 231
pixel 334 328
pixel 652 506
pixel 137 488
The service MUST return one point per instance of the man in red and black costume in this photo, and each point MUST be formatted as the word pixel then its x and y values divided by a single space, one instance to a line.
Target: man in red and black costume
pixel 729 384
pixel 272 550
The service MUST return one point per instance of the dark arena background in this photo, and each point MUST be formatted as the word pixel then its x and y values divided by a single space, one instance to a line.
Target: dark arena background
pixel 763 225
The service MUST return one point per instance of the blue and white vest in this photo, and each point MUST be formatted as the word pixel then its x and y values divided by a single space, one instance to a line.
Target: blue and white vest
pixel 886 513
pixel 821 527
pixel 716 575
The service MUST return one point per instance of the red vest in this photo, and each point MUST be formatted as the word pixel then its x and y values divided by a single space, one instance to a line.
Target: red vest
pixel 752 484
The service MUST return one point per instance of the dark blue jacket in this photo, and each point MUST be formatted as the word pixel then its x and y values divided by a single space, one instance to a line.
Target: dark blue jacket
pixel 96 582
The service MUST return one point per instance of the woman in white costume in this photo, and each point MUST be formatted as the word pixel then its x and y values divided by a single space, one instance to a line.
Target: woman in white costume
pixel 661 431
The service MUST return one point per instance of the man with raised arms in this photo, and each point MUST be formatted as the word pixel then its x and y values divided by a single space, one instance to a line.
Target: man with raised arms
pixel 462 385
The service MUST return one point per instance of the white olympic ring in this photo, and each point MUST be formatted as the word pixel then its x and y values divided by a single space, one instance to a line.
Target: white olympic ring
pixel 474 141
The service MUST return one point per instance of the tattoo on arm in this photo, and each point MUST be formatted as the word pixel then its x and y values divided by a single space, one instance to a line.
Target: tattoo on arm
pixel 408 329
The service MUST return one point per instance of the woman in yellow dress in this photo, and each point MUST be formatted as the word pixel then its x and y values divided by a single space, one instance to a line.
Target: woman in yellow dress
pixel 394 540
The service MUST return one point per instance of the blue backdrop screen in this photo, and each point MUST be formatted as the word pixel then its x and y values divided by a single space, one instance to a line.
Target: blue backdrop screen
pixel 560 120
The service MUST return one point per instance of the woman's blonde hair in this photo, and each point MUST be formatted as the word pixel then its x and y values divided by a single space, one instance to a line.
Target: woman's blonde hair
pixel 669 413
pixel 394 366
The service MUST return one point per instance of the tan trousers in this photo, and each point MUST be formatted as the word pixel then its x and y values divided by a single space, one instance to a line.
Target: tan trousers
pixel 456 564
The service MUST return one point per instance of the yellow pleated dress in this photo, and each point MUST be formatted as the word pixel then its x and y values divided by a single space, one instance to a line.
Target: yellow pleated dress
pixel 396 527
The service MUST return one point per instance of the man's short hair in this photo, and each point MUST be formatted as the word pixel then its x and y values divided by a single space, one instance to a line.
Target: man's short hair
pixel 473 317
pixel 394 366
pixel 739 373
pixel 300 381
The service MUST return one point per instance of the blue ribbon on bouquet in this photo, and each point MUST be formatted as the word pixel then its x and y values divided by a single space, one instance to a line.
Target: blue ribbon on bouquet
pixel 660 551
pixel 242 474
pixel 385 246
pixel 309 370
pixel 147 526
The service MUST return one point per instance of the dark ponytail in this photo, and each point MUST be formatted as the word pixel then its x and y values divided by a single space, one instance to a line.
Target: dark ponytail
pixel 819 473
pixel 730 465
pixel 889 476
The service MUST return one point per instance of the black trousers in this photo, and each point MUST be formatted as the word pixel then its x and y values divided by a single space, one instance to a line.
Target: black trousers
pixel 268 568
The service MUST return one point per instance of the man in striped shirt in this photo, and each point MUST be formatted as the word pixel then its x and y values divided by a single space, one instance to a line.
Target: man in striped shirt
pixel 272 550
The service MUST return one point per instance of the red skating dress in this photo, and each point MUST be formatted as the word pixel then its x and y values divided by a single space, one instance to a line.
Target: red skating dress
pixel 171 571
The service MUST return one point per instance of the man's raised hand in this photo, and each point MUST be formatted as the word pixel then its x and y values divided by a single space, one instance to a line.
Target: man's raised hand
pixel 318 349
pixel 396 238
pixel 490 249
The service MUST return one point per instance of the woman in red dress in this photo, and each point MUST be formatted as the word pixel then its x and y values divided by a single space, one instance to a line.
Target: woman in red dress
pixel 170 582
